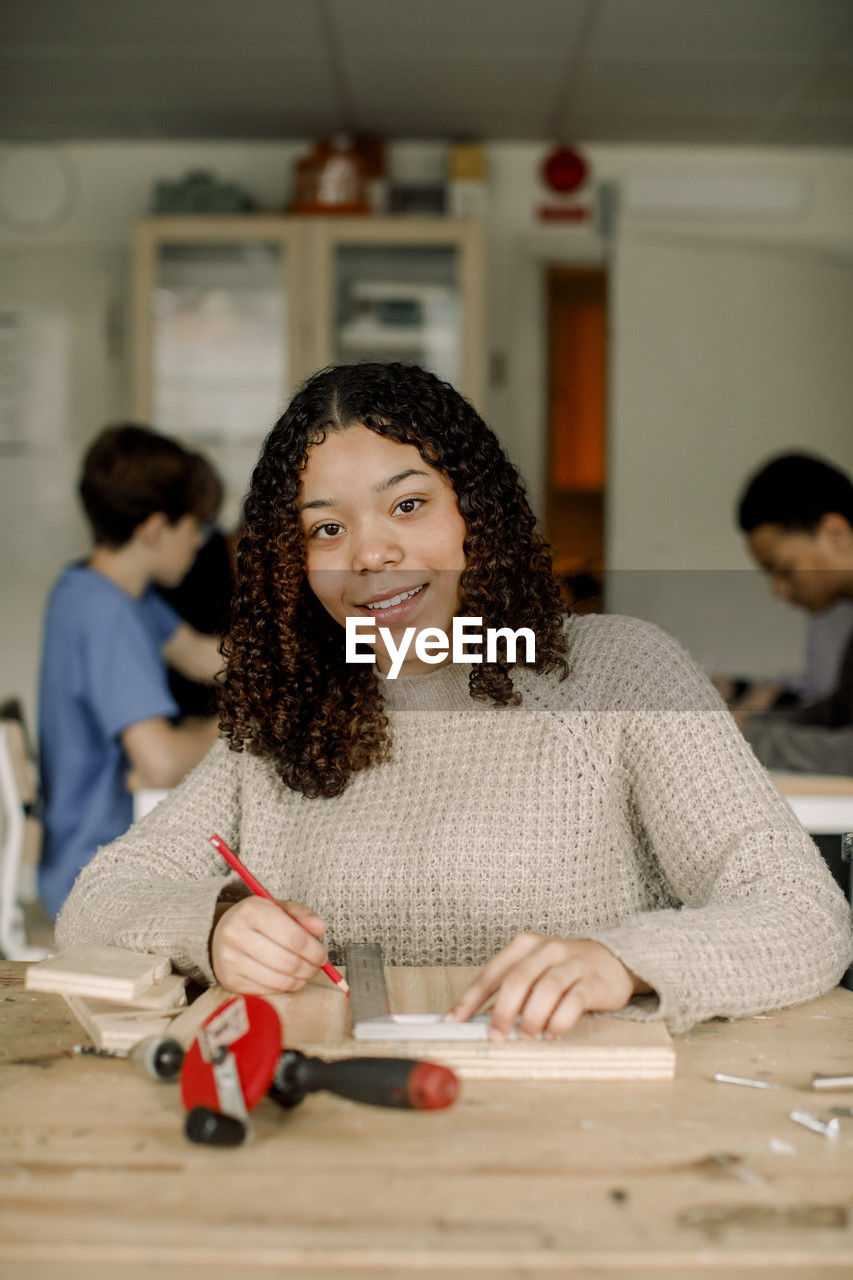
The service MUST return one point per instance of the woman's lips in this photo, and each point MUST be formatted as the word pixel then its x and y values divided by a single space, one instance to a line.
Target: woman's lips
pixel 385 613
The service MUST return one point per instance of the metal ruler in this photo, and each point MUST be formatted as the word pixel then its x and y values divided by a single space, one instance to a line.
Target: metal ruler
pixel 368 993
pixel 372 1018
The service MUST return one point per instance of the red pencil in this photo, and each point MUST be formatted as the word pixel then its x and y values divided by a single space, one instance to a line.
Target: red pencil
pixel 255 885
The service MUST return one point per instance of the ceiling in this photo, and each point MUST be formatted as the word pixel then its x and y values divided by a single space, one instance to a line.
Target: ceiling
pixel 777 72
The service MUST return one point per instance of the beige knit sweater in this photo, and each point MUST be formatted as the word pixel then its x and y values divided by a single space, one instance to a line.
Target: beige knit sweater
pixel 620 804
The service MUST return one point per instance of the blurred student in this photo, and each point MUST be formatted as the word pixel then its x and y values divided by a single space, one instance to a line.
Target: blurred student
pixel 105 708
pixel 203 599
pixel 827 635
pixel 797 514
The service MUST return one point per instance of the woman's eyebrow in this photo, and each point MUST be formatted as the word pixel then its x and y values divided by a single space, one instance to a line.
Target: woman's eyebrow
pixel 316 502
pixel 401 475
pixel 380 488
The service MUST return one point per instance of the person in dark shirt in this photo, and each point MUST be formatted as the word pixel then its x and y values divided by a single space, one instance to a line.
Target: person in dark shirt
pixel 797 514
pixel 203 599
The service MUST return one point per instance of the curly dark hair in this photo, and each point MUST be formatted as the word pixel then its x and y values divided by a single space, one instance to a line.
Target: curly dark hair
pixel 287 693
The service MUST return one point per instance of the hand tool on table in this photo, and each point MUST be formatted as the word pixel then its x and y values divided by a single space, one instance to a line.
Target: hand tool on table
pixel 160 1057
pixel 384 1082
pixel 228 1069
pixel 237 1059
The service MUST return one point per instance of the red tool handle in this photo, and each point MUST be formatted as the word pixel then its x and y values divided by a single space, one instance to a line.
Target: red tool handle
pixel 384 1082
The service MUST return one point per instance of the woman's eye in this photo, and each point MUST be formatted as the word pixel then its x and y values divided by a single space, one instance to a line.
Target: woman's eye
pixel 408 505
pixel 323 531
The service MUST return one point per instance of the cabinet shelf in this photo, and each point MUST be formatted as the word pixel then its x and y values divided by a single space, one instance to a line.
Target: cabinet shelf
pixel 373 337
pixel 241 310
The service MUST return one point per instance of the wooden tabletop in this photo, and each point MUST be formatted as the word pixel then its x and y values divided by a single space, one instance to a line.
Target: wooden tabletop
pixel 812 784
pixel 676 1178
pixel 823 803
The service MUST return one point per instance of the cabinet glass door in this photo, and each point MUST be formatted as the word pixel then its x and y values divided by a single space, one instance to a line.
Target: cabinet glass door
pixel 220 340
pixel 398 302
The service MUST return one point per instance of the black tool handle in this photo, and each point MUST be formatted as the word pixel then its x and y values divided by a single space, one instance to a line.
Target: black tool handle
pixel 214 1129
pixel 384 1082
pixel 159 1057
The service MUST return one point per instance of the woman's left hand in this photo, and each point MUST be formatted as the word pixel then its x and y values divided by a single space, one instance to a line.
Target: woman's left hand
pixel 548 982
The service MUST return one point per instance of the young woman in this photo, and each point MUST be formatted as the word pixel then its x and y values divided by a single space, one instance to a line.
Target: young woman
pixel 587 823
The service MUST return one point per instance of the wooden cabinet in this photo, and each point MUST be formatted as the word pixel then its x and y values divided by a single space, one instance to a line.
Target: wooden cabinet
pixel 231 314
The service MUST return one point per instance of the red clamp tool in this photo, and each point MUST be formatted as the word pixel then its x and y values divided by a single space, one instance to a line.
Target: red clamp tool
pixel 237 1059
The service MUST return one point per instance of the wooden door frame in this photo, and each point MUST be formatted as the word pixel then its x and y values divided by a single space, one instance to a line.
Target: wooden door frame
pixel 527 384
pixel 573 507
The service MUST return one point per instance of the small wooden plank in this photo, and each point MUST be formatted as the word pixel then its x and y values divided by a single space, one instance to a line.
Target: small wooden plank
pixel 106 973
pixel 169 993
pixel 114 1026
pixel 185 1027
pixel 601 1047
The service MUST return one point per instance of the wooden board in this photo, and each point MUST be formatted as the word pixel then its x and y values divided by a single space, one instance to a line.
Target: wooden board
pixel 115 1026
pixel 164 995
pixel 317 1021
pixel 601 1047
pixel 106 973
pixel 186 1026
pixel 812 784
pixel 119 1027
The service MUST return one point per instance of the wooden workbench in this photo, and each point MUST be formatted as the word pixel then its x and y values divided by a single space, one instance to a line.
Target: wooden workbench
pixel 823 803
pixel 642 1180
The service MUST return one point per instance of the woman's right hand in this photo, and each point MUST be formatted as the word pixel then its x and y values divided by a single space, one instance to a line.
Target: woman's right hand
pixel 259 949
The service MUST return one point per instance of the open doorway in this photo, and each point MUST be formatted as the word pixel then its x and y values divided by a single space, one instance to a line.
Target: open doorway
pixel 576 475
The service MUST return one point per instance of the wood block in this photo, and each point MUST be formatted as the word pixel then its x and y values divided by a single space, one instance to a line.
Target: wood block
pixel 185 1026
pixel 317 1021
pixel 167 994
pixel 601 1047
pixel 107 973
pixel 118 1026
pixel 115 1026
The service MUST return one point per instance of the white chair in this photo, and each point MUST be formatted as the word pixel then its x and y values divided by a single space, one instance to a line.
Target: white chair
pixel 18 790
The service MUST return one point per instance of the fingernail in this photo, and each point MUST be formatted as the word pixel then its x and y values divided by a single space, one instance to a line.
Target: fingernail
pixel 496 1035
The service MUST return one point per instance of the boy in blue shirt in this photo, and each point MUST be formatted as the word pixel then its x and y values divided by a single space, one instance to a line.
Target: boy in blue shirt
pixel 105 708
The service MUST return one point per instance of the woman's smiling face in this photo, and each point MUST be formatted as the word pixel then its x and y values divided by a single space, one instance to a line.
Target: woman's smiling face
pixel 383 536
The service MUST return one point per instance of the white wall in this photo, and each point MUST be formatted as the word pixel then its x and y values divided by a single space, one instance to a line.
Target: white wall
pixel 729 340
pixel 744 350
pixel 77 272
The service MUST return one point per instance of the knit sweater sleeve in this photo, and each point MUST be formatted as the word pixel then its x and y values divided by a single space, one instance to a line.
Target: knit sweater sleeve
pixel 762 924
pixel 155 889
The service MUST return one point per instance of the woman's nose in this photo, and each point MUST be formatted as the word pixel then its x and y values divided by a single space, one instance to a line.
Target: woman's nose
pixel 374 548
